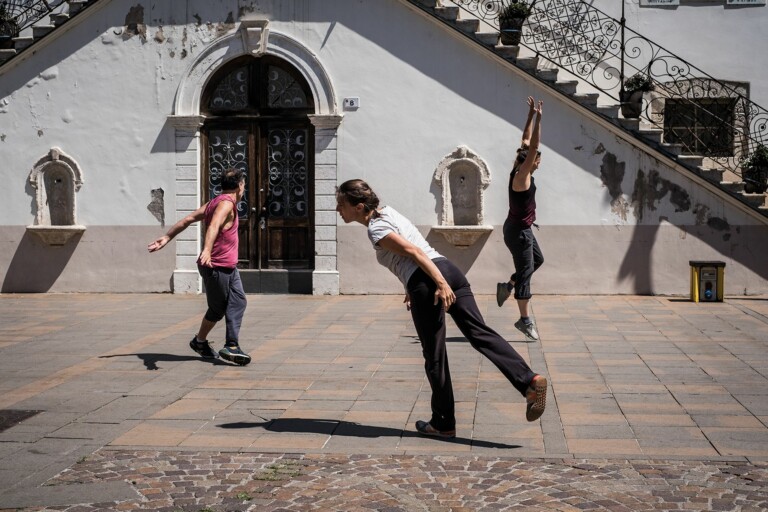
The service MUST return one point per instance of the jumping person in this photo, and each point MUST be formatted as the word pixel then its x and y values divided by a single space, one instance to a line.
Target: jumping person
pixel 217 265
pixel 434 286
pixel 518 235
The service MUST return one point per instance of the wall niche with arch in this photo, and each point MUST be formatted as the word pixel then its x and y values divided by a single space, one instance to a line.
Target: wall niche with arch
pixel 56 179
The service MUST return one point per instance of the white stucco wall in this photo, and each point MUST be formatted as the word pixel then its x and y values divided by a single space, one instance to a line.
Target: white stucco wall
pixel 103 96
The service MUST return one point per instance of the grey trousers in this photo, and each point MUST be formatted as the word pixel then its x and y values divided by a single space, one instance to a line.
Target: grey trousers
pixel 226 298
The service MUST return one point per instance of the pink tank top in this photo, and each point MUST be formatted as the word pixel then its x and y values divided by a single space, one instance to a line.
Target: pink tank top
pixel 225 247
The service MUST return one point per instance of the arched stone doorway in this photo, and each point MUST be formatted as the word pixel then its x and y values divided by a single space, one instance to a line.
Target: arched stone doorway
pixel 197 124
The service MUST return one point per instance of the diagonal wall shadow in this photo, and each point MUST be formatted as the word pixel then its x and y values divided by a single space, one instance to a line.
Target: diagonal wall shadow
pixel 150 359
pixel 350 429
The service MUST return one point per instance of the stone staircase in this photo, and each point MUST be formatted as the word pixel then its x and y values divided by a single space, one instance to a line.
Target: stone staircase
pixel 726 181
pixel 47 24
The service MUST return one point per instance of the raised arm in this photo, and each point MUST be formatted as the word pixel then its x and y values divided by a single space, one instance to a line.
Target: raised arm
pixel 522 178
pixel 526 140
pixel 177 228
pixel 399 245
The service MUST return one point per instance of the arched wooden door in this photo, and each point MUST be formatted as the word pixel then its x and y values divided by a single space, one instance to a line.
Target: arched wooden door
pixel 257 120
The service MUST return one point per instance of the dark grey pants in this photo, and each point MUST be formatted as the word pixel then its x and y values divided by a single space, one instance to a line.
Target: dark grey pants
pixel 226 298
pixel 527 257
pixel 429 320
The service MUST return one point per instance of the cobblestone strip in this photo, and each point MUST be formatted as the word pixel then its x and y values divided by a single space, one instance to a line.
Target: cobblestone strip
pixel 218 482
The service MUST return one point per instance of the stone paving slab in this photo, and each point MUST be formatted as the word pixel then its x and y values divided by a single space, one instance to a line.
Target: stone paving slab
pixel 639 386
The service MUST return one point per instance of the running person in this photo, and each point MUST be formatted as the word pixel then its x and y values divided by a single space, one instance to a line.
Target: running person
pixel 434 285
pixel 518 235
pixel 217 265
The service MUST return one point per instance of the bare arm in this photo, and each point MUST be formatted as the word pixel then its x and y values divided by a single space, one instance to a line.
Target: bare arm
pixel 526 141
pixel 219 219
pixel 399 245
pixel 177 228
pixel 522 180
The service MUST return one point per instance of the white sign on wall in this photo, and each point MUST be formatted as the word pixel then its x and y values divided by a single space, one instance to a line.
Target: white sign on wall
pixel 659 2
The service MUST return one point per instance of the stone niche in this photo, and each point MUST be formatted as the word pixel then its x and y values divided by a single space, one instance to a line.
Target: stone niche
pixel 56 179
pixel 463 177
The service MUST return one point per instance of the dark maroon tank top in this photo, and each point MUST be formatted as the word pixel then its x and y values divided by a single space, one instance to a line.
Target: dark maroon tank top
pixel 522 205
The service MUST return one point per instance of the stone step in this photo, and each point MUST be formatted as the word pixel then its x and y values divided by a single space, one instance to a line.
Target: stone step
pixel 714 175
pixel 468 26
pixel 691 160
pixel 528 63
pixel 22 42
pixel 756 200
pixel 426 3
pixel 568 87
pixel 507 52
pixel 737 187
pixel 588 100
pixel 488 38
pixel 652 135
pixel 7 54
pixel 630 124
pixel 58 18
pixel 548 75
pixel 609 111
pixel 39 31
pixel 447 13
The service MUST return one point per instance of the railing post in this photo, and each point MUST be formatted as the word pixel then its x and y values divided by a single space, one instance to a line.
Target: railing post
pixel 623 23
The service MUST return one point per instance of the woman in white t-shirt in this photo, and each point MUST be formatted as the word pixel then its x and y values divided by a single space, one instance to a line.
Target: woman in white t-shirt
pixel 434 285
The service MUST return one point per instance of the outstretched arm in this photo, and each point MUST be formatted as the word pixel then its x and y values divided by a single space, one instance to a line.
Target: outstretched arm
pixel 526 141
pixel 399 245
pixel 177 228
pixel 522 178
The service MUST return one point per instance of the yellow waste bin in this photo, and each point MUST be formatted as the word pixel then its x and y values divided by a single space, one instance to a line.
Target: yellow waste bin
pixel 707 281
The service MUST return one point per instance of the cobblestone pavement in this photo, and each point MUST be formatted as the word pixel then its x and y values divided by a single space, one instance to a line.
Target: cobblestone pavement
pixel 179 481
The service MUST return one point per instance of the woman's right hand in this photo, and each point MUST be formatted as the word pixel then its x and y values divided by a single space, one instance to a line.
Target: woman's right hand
pixel 444 294
pixel 531 104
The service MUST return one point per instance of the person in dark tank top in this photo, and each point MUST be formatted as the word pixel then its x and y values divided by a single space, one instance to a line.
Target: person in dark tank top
pixel 518 235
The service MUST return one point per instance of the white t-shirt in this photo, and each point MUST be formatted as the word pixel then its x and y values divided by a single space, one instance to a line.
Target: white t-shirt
pixel 390 221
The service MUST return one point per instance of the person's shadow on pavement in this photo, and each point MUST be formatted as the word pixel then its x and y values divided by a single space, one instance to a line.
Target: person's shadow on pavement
pixel 150 360
pixel 347 428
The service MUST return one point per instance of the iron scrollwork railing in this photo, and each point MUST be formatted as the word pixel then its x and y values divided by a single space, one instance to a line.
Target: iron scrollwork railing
pixel 706 116
pixel 17 15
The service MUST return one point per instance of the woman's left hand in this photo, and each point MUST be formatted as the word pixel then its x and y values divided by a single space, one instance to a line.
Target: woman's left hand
pixel 445 294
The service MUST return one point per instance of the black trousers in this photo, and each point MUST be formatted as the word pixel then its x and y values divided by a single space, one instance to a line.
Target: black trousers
pixel 527 257
pixel 226 298
pixel 429 320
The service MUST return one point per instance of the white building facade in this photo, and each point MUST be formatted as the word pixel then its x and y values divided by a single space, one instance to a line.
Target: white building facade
pixel 119 122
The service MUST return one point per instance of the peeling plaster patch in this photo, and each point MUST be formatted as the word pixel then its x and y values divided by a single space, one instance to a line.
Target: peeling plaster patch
pixel 67 117
pixel 718 224
pixel 157 206
pixel 40 133
pixel 612 174
pixel 184 37
pixel 198 19
pixel 647 193
pixel 183 53
pixel 2 137
pixel 134 24
pixel 223 28
pixel 702 213
pixel 50 73
pixel 171 53
pixel 600 149
pixel 4 106
pixel 578 148
pixel 159 37
pixel 33 82
pixel 107 40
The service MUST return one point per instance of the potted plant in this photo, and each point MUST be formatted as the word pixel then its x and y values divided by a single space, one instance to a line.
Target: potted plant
pixel 754 171
pixel 632 96
pixel 8 27
pixel 511 18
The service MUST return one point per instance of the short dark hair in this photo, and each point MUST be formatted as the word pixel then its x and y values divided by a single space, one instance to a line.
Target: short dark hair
pixel 232 178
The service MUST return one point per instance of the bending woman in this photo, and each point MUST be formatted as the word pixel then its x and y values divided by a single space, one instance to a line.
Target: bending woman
pixel 433 286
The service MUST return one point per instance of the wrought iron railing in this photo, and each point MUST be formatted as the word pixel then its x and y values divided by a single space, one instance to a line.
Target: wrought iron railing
pixel 17 15
pixel 706 116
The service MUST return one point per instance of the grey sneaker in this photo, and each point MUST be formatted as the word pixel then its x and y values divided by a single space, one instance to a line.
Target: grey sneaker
pixel 529 330
pixel 502 293
pixel 203 348
pixel 235 354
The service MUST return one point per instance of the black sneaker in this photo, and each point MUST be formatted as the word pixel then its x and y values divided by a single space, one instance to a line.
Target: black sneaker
pixel 502 293
pixel 234 354
pixel 426 429
pixel 203 348
pixel 529 330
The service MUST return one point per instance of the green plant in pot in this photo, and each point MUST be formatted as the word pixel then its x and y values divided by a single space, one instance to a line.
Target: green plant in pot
pixel 754 171
pixel 8 27
pixel 511 18
pixel 632 96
